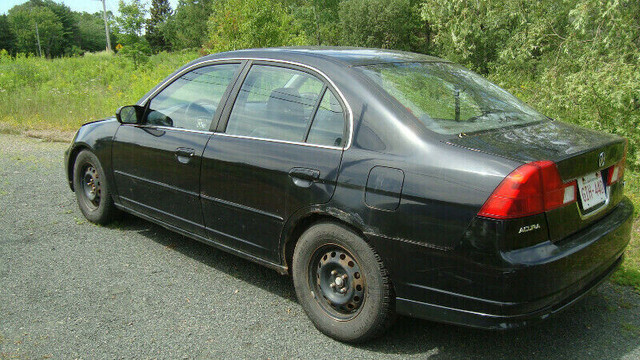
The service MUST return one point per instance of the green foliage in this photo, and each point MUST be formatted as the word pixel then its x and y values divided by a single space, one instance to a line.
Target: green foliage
pixel 7 36
pixel 61 94
pixel 55 22
pixel 187 28
pixel 388 24
pixel 138 52
pixel 319 19
pixel 577 61
pixel 131 19
pixel 156 24
pixel 50 30
pixel 239 24
pixel 91 31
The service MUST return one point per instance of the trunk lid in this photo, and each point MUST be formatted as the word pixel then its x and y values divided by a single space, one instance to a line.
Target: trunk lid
pixel 579 153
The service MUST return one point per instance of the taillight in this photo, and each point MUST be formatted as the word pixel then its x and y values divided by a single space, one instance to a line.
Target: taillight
pixel 531 189
pixel 616 172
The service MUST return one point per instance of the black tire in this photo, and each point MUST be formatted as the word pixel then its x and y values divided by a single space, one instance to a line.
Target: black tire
pixel 358 307
pixel 92 189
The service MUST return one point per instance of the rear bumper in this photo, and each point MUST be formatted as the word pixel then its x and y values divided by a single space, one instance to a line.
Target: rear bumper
pixel 496 321
pixel 525 285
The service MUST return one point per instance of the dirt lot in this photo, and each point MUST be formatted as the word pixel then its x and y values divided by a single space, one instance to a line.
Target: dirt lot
pixel 70 289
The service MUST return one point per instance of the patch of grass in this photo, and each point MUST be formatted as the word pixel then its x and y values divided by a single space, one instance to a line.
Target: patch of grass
pixel 628 277
pixel 633 329
pixel 38 94
pixel 629 273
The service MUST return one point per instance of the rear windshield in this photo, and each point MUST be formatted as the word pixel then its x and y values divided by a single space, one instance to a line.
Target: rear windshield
pixel 449 99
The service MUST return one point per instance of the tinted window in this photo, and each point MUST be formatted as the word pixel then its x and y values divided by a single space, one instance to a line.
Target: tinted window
pixel 275 103
pixel 328 125
pixel 190 102
pixel 450 99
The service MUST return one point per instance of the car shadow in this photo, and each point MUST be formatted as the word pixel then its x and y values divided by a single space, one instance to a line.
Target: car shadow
pixel 242 269
pixel 605 324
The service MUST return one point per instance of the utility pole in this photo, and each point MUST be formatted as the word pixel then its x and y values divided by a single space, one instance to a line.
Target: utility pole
pixel 38 40
pixel 106 25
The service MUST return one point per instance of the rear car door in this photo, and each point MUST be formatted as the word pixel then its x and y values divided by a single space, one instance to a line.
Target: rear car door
pixel 279 149
pixel 157 163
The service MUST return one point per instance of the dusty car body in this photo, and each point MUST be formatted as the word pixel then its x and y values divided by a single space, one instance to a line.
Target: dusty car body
pixel 485 221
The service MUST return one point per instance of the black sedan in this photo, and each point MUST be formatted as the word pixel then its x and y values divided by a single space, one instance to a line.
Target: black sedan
pixel 384 182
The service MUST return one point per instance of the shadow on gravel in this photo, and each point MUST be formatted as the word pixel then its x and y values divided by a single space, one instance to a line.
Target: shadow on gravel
pixel 605 324
pixel 245 270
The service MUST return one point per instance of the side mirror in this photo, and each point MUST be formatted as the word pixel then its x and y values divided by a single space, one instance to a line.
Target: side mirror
pixel 130 114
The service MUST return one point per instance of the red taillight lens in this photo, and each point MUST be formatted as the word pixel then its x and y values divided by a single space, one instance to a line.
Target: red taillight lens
pixel 531 189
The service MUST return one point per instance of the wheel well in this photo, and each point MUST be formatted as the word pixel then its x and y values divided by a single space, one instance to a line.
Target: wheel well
pixel 72 161
pixel 302 225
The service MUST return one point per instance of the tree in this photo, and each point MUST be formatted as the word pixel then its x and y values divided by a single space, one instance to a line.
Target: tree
pixel 319 19
pixel 131 19
pixel 50 30
pixel 130 23
pixel 187 28
pixel 56 25
pixel 7 36
pixel 91 31
pixel 393 24
pixel 240 24
pixel 155 30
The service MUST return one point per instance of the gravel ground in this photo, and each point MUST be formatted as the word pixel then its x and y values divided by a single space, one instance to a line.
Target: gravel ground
pixel 70 289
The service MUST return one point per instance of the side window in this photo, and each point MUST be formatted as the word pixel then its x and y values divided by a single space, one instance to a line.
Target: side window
pixel 328 125
pixel 275 103
pixel 190 102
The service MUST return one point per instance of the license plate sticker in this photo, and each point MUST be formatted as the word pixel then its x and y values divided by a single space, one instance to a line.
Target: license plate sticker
pixel 591 189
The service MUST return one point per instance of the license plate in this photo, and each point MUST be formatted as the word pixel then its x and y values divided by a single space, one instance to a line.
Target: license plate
pixel 591 189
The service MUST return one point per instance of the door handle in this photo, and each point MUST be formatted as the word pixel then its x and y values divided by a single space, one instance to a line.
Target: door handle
pixel 184 155
pixel 304 177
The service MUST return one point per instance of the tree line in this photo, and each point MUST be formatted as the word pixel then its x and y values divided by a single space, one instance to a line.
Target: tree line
pixel 215 25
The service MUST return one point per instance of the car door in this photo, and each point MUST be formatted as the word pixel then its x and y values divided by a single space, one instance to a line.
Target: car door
pixel 157 163
pixel 279 151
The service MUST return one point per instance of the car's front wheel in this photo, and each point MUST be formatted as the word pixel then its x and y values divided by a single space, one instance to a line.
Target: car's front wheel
pixel 92 189
pixel 342 283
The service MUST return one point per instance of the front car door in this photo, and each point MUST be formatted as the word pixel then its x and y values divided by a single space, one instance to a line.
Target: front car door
pixel 280 149
pixel 157 163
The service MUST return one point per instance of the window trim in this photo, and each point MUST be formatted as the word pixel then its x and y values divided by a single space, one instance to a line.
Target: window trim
pixel 236 94
pixel 223 100
pixel 245 64
pixel 314 113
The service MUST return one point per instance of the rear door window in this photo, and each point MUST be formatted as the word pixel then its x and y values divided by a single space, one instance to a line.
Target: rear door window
pixel 328 124
pixel 275 103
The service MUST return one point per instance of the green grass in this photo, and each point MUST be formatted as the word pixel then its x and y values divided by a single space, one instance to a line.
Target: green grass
pixel 62 94
pixel 629 273
pixel 59 95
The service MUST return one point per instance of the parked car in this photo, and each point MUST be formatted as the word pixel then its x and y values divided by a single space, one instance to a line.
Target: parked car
pixel 384 182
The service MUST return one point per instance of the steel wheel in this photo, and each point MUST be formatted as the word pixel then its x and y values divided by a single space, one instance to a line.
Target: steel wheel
pixel 91 187
pixel 338 281
pixel 341 283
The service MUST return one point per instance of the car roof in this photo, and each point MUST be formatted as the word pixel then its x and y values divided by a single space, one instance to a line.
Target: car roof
pixel 349 56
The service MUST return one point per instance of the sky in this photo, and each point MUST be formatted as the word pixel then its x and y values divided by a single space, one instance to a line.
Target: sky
pixel 90 6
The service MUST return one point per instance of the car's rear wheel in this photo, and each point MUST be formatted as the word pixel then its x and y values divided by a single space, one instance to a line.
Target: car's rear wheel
pixel 342 283
pixel 92 189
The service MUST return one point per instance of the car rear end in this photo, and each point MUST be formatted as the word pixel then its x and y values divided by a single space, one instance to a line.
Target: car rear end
pixel 556 229
pixel 552 230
